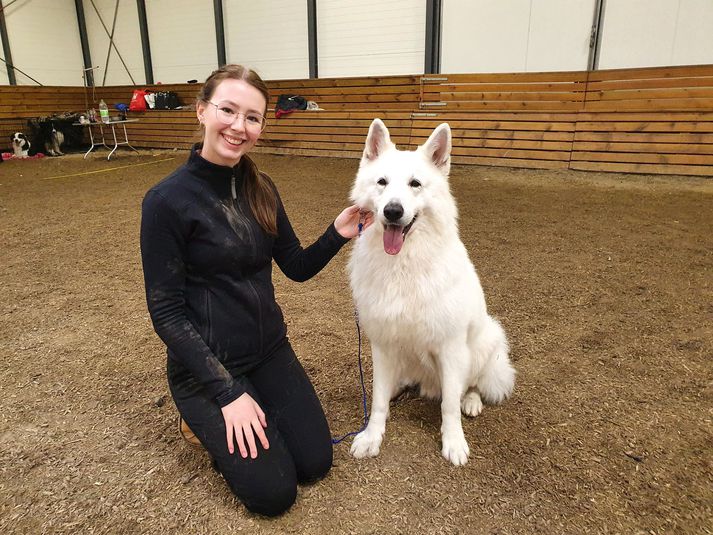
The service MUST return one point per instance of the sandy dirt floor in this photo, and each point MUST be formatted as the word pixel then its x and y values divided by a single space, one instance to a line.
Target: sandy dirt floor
pixel 603 282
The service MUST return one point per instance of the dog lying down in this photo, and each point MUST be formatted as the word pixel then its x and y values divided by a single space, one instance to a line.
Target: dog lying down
pixel 20 145
pixel 417 293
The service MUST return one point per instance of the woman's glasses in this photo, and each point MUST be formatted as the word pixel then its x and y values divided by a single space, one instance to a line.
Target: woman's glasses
pixel 227 114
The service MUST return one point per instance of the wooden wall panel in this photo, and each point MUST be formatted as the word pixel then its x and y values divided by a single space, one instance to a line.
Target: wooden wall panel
pixel 539 140
pixel 655 120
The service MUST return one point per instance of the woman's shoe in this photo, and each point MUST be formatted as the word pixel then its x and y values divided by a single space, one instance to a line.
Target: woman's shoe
pixel 188 435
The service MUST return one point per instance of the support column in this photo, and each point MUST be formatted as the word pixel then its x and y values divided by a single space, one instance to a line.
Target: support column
pixel 312 38
pixel 432 64
pixel 595 39
pixel 6 49
pixel 144 28
pixel 219 31
pixel 86 54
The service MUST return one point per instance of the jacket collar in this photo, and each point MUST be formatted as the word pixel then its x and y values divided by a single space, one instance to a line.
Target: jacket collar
pixel 206 170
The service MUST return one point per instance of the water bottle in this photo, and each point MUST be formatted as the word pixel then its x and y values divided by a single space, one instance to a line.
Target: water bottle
pixel 103 111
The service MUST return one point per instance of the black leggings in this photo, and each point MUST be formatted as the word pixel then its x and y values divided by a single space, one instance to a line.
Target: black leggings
pixel 300 442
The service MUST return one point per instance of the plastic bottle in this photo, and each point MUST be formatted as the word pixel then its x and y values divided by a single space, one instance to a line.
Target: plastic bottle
pixel 103 111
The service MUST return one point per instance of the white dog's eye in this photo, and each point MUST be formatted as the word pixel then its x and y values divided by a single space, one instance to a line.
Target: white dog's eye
pixel 414 183
pixel 381 181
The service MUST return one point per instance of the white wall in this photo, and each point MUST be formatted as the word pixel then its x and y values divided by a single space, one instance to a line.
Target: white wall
pixel 647 33
pixel 370 37
pixel 44 41
pixel 182 39
pixel 127 39
pixel 269 36
pixel 355 37
pixel 515 35
pixel 559 35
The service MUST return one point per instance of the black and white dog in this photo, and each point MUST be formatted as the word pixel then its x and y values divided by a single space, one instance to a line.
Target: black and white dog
pixel 51 138
pixel 20 145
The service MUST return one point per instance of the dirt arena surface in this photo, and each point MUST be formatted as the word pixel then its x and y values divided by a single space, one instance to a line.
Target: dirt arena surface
pixel 603 282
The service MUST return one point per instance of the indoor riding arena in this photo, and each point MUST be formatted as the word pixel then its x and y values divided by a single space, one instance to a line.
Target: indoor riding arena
pixel 582 168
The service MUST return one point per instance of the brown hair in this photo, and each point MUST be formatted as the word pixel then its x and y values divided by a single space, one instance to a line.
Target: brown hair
pixel 257 187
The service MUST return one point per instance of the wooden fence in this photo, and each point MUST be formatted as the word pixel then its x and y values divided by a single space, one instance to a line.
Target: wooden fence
pixel 657 120
pixel 653 120
pixel 520 120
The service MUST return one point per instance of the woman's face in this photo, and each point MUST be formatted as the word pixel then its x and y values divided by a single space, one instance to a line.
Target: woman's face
pixel 233 121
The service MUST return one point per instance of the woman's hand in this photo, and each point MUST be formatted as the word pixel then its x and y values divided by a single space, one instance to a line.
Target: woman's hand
pixel 347 223
pixel 243 420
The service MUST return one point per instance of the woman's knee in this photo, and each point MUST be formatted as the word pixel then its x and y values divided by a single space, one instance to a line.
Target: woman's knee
pixel 270 501
pixel 315 466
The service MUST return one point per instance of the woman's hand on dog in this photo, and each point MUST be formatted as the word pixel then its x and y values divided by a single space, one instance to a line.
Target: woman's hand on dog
pixel 347 223
pixel 243 420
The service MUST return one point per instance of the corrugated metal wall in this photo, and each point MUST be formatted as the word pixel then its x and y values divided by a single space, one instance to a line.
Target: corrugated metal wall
pixel 354 37
pixel 45 41
pixel 127 41
pixel 270 37
pixel 656 33
pixel 370 38
pixel 515 35
pixel 182 35
pixel 4 80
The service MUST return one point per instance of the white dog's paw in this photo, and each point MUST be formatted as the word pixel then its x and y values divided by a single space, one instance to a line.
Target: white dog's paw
pixel 455 449
pixel 366 444
pixel 471 405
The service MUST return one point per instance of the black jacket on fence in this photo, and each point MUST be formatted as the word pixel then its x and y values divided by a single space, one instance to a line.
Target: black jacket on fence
pixel 208 274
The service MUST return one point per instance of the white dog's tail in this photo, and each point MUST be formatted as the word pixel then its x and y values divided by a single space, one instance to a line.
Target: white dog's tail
pixel 497 377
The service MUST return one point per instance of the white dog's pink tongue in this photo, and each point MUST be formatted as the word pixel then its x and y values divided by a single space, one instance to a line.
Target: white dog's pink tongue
pixel 393 239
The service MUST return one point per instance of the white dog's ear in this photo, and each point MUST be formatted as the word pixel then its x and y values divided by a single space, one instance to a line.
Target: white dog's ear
pixel 377 141
pixel 437 147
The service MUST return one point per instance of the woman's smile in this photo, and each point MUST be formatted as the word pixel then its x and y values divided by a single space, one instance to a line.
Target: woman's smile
pixel 234 141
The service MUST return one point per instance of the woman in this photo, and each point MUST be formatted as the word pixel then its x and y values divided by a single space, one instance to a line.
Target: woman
pixel 209 233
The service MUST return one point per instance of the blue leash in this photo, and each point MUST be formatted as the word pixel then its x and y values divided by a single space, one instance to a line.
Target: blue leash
pixel 363 388
pixel 361 371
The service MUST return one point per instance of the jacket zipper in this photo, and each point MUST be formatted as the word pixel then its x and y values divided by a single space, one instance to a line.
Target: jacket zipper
pixel 253 244
pixel 209 321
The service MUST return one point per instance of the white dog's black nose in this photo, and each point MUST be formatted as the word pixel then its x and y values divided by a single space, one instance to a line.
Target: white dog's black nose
pixel 393 211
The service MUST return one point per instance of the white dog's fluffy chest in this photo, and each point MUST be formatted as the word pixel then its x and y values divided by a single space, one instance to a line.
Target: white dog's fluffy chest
pixel 417 298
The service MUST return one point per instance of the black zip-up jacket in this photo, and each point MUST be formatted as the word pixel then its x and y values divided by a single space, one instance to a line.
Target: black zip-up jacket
pixel 208 274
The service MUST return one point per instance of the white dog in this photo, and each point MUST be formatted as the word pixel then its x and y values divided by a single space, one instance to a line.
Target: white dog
pixel 417 294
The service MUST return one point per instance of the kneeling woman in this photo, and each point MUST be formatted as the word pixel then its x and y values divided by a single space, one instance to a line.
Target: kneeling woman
pixel 209 233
